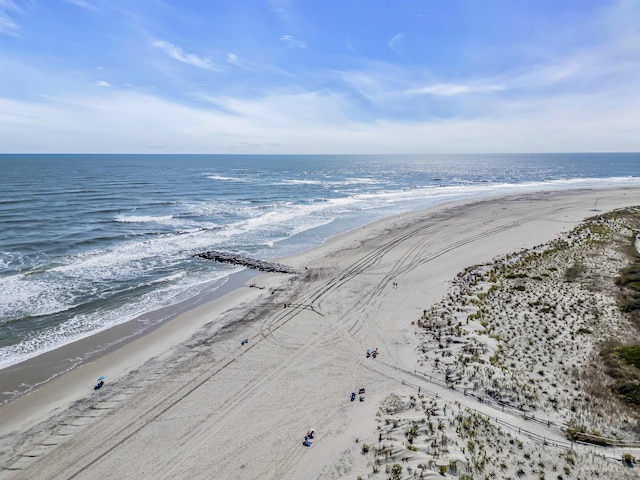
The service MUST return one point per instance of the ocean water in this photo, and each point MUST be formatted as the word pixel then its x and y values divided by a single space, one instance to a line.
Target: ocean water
pixel 92 241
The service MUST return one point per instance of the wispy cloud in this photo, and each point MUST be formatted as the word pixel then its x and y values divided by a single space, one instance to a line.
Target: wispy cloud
pixel 281 9
pixel 82 4
pixel 452 89
pixel 8 25
pixel 235 60
pixel 396 42
pixel 8 11
pixel 303 122
pixel 102 83
pixel 376 82
pixel 292 42
pixel 179 54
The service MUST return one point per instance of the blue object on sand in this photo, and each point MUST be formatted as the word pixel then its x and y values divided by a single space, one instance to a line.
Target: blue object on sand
pixel 102 377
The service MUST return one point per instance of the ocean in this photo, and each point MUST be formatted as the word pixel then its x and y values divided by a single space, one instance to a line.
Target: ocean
pixel 91 241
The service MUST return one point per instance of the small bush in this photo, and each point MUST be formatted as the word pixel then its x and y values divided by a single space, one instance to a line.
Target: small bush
pixel 579 433
pixel 515 275
pixel 630 391
pixel 574 272
pixel 396 471
pixel 630 354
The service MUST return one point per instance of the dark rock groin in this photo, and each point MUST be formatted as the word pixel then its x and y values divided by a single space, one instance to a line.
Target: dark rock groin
pixel 246 262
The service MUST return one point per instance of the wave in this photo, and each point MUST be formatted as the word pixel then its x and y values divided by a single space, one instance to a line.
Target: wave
pixel 332 182
pixel 227 179
pixel 21 297
pixel 303 182
pixel 86 324
pixel 143 218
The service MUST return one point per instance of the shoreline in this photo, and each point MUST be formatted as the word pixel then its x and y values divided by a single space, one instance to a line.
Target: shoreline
pixel 39 369
pixel 167 313
pixel 161 341
pixel 113 352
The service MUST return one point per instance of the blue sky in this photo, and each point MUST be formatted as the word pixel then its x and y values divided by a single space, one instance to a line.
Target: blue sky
pixel 308 76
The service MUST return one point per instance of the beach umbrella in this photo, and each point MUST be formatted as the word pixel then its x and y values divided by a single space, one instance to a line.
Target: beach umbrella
pixel 102 377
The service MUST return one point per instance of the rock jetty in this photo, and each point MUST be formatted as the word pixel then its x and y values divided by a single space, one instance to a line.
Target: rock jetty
pixel 245 262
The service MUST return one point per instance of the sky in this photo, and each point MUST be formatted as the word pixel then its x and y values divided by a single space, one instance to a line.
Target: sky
pixel 309 76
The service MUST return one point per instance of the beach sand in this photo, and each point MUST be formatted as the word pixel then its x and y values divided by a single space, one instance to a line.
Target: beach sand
pixel 191 400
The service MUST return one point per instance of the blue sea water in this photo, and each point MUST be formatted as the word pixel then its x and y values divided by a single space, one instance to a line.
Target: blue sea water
pixel 91 241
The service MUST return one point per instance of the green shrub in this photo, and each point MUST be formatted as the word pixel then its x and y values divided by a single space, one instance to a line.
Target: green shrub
pixel 574 272
pixel 396 471
pixel 630 354
pixel 630 391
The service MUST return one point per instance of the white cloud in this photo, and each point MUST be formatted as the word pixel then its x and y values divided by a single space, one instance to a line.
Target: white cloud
pixel 82 4
pixel 8 9
pixel 8 25
pixel 177 53
pixel 309 122
pixel 281 9
pixel 378 83
pixel 292 42
pixel 452 89
pixel 235 60
pixel 290 110
pixel 102 83
pixel 396 42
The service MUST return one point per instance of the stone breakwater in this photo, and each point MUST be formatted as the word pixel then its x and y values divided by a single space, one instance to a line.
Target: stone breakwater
pixel 246 262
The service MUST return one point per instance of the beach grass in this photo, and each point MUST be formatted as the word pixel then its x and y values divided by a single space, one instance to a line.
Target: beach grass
pixel 542 330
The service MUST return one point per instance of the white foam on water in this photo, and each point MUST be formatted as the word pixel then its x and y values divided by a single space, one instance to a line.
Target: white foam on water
pixel 330 182
pixel 56 289
pixel 303 182
pixel 85 325
pixel 34 297
pixel 169 278
pixel 143 218
pixel 362 180
pixel 222 178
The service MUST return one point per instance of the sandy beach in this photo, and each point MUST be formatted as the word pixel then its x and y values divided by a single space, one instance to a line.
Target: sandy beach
pixel 191 400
